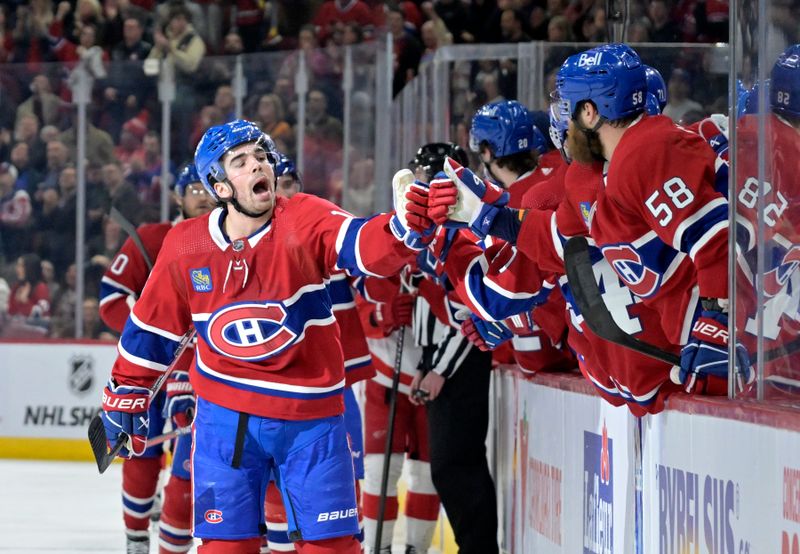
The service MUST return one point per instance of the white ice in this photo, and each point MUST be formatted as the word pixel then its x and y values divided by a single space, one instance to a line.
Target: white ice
pixel 67 507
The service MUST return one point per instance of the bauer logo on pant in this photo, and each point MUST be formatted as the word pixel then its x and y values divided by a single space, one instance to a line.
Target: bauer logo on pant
pixel 201 279
pixel 337 514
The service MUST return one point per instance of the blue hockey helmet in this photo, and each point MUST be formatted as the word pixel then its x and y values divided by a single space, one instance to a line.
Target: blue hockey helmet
pixel 612 77
pixel 286 166
pixel 216 141
pixel 656 91
pixel 784 90
pixel 186 177
pixel 541 125
pixel 748 100
pixel 506 126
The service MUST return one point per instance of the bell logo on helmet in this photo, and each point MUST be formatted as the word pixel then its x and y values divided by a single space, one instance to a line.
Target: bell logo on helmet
pixel 587 59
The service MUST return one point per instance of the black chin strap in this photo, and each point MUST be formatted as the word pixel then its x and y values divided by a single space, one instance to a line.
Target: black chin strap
pixel 488 167
pixel 588 130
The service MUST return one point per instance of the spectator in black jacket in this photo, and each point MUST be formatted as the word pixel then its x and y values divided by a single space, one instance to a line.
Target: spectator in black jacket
pixel 127 88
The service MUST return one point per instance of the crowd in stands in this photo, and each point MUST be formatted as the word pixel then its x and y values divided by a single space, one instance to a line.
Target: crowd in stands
pixel 118 43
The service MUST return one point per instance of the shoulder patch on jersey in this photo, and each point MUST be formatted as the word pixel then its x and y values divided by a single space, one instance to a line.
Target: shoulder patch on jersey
pixel 201 279
pixel 586 210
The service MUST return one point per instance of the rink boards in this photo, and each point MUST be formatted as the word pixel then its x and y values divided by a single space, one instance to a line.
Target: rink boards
pixel 717 477
pixel 50 392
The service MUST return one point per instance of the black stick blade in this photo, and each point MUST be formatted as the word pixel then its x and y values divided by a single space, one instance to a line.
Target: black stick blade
pixel 99 443
pixel 589 301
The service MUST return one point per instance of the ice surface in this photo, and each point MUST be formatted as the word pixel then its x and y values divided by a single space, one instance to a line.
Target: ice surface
pixel 60 507
pixel 67 507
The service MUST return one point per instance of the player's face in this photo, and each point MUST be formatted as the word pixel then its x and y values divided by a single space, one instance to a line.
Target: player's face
pixel 250 172
pixel 287 186
pixel 196 201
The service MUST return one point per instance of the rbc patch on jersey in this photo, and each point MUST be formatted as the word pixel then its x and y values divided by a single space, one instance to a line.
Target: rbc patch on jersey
pixel 201 279
pixel 586 210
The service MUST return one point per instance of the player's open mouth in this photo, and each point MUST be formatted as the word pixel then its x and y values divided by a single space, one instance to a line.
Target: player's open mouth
pixel 261 186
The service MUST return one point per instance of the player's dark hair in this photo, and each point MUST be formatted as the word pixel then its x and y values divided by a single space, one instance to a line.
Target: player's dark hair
pixel 616 123
pixel 518 163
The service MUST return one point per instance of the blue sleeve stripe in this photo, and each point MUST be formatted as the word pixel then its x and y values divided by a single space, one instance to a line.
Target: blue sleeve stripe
pixel 692 229
pixel 145 348
pixel 494 303
pixel 109 286
pixel 340 292
pixel 348 248
pixel 745 233
pixel 355 363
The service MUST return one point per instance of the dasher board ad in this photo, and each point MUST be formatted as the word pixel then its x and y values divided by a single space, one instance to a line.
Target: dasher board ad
pixel 52 390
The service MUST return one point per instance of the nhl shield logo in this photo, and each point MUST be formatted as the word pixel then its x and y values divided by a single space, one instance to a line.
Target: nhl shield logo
pixel 81 374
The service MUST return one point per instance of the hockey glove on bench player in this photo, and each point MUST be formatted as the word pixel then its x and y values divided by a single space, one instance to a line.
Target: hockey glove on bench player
pixel 461 197
pixel 704 358
pixel 125 411
pixel 485 335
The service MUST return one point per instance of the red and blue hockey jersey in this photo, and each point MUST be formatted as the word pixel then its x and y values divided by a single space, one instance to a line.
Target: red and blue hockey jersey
pixel 268 343
pixel 125 278
pixel 660 222
pixel 620 375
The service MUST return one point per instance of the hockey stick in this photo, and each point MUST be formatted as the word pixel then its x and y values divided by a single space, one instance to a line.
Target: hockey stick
pixel 387 453
pixel 97 431
pixel 590 302
pixel 128 227
pixel 174 434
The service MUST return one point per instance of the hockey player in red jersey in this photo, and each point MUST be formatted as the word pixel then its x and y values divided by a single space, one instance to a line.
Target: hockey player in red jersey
pixel 452 382
pixel 386 308
pixel 269 370
pixel 509 145
pixel 670 250
pixel 767 223
pixel 358 366
pixel 120 287
pixel 659 221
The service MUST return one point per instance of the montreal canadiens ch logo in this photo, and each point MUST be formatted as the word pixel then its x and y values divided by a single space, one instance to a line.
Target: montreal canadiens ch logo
pixel 213 516
pixel 641 280
pixel 776 279
pixel 250 331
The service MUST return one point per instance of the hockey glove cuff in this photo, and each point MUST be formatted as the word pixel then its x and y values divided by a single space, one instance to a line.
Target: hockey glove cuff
pixel 403 184
pixel 704 358
pixel 486 335
pixel 180 404
pixel 462 198
pixel 125 411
